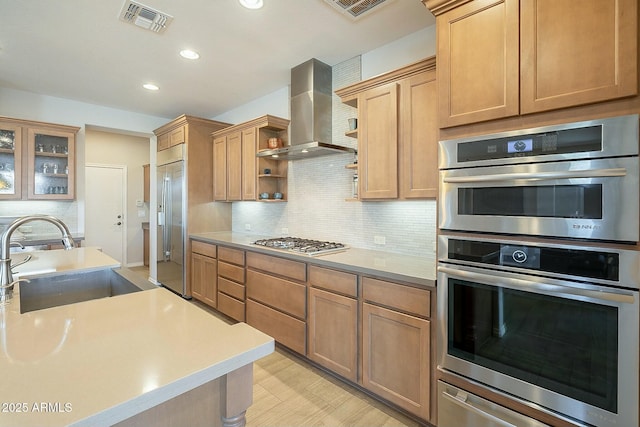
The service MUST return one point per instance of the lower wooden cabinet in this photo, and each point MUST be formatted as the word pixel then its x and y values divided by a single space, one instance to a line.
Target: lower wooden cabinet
pixel 396 344
pixel 231 287
pixel 333 332
pixel 204 273
pixel 277 299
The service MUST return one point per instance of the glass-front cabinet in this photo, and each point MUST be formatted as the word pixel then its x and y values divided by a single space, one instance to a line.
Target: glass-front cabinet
pixel 51 164
pixel 10 161
pixel 37 160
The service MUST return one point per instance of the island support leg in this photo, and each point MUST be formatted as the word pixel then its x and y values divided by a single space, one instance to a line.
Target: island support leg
pixel 236 396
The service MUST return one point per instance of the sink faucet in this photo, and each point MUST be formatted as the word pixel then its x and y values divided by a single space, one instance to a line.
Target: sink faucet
pixel 6 276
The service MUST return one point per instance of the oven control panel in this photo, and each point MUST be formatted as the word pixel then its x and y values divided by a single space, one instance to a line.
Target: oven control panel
pixel 596 264
pixel 520 256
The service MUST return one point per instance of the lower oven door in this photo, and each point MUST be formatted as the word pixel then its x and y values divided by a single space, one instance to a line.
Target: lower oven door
pixel 566 346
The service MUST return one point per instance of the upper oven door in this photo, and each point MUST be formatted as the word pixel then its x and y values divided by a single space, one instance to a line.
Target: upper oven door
pixel 586 199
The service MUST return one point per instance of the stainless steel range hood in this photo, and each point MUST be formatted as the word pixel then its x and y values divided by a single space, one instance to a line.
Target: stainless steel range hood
pixel 310 114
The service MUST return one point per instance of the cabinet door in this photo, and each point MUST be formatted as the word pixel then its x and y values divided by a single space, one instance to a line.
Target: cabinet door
pixel 204 279
pixel 332 332
pixel 378 142
pixel 395 358
pixel 178 136
pixel 418 136
pixel 577 53
pixel 478 67
pixel 234 166
pixel 10 161
pixel 51 164
pixel 220 168
pixel 249 164
pixel 163 141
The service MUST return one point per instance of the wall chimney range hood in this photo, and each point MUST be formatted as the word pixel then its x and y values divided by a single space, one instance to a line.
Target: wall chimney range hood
pixel 310 128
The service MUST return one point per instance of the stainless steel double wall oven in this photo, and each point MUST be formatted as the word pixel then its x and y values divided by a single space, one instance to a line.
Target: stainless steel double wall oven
pixel 539 273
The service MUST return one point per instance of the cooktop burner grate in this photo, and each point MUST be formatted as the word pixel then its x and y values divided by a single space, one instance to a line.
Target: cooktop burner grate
pixel 304 246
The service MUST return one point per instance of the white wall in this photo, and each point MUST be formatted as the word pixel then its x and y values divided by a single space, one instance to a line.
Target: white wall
pixel 316 206
pixel 108 148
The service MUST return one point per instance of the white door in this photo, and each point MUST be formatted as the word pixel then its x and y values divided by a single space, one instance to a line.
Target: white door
pixel 105 206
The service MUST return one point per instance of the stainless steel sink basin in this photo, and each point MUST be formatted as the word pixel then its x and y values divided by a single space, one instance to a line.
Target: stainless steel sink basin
pixel 53 291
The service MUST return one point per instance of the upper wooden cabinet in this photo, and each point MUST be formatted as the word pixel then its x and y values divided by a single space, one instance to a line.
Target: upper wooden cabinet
pixel 171 137
pixel 503 58
pixel 239 174
pixel 397 133
pixel 37 160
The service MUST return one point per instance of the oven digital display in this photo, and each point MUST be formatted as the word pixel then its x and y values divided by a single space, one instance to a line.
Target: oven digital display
pixel 520 146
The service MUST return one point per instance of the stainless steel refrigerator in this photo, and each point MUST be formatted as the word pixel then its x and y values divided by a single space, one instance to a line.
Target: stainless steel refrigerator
pixel 172 219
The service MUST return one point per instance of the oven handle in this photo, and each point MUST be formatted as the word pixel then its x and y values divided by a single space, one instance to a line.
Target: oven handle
pixel 611 296
pixel 461 400
pixel 538 176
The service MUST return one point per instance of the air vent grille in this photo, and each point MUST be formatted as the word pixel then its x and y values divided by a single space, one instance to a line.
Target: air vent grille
pixel 356 8
pixel 144 16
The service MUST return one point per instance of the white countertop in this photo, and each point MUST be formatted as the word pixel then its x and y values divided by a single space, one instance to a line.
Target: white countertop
pixel 421 271
pixel 60 261
pixel 101 361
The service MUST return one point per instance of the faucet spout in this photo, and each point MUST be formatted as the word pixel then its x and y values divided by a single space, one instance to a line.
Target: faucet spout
pixel 6 276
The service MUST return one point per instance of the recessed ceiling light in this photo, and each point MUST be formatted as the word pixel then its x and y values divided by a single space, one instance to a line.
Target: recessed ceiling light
pixel 252 4
pixel 189 54
pixel 150 86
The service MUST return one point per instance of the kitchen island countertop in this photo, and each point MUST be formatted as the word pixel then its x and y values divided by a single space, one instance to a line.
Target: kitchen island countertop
pixel 392 266
pixel 102 361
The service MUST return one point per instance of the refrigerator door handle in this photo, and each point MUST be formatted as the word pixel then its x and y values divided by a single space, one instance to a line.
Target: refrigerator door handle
pixel 167 212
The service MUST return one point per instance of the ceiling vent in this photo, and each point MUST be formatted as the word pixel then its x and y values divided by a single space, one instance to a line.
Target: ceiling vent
pixel 356 9
pixel 144 16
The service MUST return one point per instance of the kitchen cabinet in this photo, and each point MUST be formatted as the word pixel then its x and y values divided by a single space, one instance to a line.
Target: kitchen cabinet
pixel 37 160
pixel 276 299
pixel 231 282
pixel 504 58
pixel 396 344
pixel 204 274
pixel 333 320
pixel 240 175
pixel 146 182
pixel 201 214
pixel 397 133
pixel 10 161
pixel 176 135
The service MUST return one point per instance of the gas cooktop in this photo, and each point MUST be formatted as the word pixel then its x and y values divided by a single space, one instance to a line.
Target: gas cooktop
pixel 302 246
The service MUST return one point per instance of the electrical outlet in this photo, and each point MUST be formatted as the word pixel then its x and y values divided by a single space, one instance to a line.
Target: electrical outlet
pixel 247 227
pixel 380 240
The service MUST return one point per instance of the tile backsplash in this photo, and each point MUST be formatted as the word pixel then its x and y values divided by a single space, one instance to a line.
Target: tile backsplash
pixel 65 211
pixel 317 204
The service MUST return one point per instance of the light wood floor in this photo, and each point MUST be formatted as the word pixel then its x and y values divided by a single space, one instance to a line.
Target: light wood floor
pixel 289 392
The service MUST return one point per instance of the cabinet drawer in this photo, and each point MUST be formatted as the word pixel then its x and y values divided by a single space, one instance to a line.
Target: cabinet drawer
pixel 231 307
pixel 284 329
pixel 287 296
pixel 282 267
pixel 233 289
pixel 401 297
pixel 230 271
pixel 203 248
pixel 333 280
pixel 232 256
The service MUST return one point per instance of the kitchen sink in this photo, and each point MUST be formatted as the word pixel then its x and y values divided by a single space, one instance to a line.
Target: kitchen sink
pixel 70 288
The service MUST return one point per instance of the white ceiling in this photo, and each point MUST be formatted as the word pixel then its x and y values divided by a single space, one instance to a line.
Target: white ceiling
pixel 79 49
